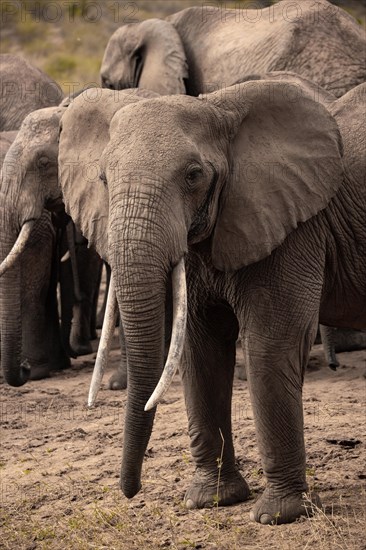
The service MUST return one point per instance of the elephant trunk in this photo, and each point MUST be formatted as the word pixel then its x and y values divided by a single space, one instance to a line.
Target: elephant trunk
pixel 142 258
pixel 142 310
pixel 15 372
pixel 18 214
pixel 328 340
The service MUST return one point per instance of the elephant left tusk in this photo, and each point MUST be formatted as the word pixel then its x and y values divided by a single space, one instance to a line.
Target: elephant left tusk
pixel 179 285
pixel 109 324
pixel 18 247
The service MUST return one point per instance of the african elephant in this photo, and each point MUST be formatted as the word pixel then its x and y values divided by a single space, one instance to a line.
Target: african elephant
pixel 31 172
pixel 27 295
pixel 29 326
pixel 24 88
pixel 247 188
pixel 203 49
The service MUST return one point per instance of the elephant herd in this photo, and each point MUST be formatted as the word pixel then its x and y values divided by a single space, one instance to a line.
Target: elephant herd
pixel 220 172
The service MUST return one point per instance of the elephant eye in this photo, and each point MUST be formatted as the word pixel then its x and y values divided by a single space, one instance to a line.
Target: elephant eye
pixel 193 174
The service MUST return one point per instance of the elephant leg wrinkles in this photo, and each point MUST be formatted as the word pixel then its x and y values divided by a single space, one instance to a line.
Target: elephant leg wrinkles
pixel 207 374
pixel 276 343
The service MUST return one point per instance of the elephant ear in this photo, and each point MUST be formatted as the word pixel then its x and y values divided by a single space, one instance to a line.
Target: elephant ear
pixel 285 166
pixel 83 136
pixel 303 86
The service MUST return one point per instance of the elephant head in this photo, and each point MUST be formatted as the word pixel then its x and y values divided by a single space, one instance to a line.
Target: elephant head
pixel 148 55
pixel 204 48
pixel 231 173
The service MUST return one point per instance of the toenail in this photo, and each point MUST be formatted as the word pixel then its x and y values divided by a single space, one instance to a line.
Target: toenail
pixel 265 519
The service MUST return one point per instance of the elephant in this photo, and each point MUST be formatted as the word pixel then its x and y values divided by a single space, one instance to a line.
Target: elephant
pixel 201 49
pixel 35 340
pixel 257 192
pixel 35 185
pixel 24 88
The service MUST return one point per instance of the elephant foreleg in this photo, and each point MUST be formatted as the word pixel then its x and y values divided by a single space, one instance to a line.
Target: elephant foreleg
pixel 275 377
pixel 207 373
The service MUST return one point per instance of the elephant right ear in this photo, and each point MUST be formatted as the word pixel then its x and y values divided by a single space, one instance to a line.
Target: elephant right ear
pixel 84 134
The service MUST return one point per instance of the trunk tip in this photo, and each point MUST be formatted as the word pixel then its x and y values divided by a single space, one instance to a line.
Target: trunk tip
pixel 130 488
pixel 19 378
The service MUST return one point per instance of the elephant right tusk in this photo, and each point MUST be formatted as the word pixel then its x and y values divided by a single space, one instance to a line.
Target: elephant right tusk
pixel 178 335
pixel 18 247
pixel 109 324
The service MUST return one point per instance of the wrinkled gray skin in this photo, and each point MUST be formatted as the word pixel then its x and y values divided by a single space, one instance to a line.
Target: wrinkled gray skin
pixel 183 176
pixel 34 184
pixel 25 299
pixel 38 138
pixel 77 323
pixel 29 325
pixel 334 340
pixel 24 88
pixel 201 49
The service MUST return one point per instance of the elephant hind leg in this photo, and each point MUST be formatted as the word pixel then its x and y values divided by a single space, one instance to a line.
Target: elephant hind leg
pixel 207 374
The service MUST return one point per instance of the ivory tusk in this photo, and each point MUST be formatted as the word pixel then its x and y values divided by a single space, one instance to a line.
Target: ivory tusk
pixel 18 247
pixel 106 337
pixel 178 334
pixel 65 257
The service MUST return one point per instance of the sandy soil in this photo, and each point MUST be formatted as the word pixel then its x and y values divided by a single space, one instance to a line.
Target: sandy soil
pixel 60 467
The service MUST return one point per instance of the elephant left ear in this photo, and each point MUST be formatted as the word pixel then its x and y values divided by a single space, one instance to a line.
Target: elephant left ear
pixel 285 166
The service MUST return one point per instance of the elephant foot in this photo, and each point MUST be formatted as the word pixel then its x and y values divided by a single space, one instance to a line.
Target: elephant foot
pixel 118 381
pixel 38 372
pixel 203 491
pixel 272 509
pixel 60 364
pixel 81 348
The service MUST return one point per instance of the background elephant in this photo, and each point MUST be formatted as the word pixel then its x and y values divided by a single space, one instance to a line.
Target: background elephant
pixel 29 326
pixel 202 49
pixel 35 185
pixel 29 323
pixel 24 88
pixel 251 190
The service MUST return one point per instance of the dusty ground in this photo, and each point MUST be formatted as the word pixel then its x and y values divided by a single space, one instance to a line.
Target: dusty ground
pixel 60 466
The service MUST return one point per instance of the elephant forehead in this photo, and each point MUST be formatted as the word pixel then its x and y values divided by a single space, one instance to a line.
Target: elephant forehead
pixel 165 120
pixel 42 124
